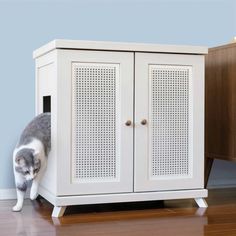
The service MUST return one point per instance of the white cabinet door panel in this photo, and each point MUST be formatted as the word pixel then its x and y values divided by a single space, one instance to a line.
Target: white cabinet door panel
pixel 100 101
pixel 169 148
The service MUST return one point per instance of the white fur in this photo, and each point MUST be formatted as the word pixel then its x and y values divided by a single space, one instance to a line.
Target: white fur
pixel 37 146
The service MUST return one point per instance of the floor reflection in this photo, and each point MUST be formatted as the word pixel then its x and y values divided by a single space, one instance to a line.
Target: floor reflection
pixel 175 218
pixel 35 220
pixel 28 222
pixel 175 226
pixel 190 221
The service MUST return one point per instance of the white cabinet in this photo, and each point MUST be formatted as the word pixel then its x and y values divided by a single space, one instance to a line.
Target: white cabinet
pixel 127 122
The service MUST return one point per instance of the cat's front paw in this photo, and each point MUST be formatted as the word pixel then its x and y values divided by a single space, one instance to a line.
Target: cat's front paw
pixel 17 208
pixel 33 195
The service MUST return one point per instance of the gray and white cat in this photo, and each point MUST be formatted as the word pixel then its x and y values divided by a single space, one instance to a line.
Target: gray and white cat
pixel 30 157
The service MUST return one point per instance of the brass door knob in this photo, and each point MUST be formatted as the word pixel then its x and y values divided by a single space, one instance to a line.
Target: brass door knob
pixel 128 123
pixel 144 122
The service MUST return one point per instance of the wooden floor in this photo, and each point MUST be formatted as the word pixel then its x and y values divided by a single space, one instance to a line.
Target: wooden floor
pixel 173 218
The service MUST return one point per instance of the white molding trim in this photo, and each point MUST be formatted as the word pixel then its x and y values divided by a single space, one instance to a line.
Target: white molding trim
pixel 117 46
pixel 68 200
pixel 6 194
pixel 10 193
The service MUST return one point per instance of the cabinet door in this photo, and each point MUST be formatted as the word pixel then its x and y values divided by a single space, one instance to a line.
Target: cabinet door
pixel 96 94
pixel 169 146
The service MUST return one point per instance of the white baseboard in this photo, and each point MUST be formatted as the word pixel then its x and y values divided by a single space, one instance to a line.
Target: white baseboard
pixel 7 194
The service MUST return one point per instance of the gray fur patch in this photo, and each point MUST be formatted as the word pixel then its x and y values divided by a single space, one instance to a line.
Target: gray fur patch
pixel 19 170
pixel 27 155
pixel 39 128
pixel 22 187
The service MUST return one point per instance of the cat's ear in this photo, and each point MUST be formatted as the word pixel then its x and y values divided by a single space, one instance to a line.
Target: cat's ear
pixel 37 160
pixel 19 160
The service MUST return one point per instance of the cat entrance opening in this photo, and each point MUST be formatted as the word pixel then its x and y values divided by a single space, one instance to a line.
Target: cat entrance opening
pixel 46 104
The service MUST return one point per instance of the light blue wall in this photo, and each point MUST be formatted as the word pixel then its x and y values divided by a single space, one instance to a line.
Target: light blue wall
pixel 26 25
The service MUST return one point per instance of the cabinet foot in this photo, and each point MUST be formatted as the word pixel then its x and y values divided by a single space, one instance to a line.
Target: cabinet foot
pixel 201 202
pixel 58 211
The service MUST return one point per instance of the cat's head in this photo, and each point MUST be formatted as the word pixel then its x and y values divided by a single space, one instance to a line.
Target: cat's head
pixel 27 163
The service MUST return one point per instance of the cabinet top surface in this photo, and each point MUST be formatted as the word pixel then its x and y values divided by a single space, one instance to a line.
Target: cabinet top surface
pixel 118 46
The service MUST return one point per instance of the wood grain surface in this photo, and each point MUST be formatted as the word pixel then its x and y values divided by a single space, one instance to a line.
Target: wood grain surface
pixel 180 217
pixel 220 106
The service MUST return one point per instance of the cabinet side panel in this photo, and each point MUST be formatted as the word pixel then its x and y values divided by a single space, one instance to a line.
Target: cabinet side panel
pixel 46 102
pixel 232 74
pixel 219 104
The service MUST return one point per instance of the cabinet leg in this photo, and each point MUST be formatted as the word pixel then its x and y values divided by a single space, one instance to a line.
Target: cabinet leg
pixel 201 202
pixel 58 211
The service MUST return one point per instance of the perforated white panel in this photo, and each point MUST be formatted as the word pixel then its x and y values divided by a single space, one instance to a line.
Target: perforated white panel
pixel 169 131
pixel 94 122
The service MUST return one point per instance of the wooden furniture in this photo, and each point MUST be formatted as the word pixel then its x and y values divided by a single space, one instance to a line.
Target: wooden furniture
pixel 220 105
pixel 127 122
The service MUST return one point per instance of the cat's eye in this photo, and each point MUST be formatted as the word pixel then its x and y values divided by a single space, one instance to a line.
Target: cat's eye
pixel 26 172
pixel 36 170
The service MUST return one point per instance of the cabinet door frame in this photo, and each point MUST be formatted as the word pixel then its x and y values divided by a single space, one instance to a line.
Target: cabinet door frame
pixel 143 180
pixel 124 180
